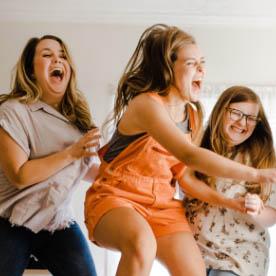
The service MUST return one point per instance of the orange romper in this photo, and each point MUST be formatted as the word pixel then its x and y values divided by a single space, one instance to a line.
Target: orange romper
pixel 141 177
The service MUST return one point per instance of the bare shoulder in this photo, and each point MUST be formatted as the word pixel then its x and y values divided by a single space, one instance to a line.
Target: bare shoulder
pixel 146 102
pixel 141 111
pixel 147 108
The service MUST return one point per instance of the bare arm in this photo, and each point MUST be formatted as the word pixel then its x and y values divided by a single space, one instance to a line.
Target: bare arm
pixel 144 114
pixel 267 217
pixel 22 172
pixel 198 189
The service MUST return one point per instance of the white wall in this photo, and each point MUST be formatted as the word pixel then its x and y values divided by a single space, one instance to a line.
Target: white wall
pixel 233 55
pixel 238 55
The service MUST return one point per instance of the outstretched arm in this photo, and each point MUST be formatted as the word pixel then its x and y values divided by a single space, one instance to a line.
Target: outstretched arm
pixel 144 114
pixel 200 190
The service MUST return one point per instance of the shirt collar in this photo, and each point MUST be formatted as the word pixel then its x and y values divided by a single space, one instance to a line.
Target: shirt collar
pixel 40 105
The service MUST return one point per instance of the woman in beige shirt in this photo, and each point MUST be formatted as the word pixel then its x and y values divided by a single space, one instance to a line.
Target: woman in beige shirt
pixel 234 243
pixel 47 141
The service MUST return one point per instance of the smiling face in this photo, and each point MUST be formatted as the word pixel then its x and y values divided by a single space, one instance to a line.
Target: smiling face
pixel 51 70
pixel 189 71
pixel 238 121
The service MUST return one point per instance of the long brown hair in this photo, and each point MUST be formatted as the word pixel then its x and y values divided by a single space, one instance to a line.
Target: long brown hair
pixel 150 68
pixel 259 156
pixel 24 87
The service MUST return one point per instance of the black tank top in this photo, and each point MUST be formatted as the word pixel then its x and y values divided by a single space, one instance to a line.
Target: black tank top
pixel 120 141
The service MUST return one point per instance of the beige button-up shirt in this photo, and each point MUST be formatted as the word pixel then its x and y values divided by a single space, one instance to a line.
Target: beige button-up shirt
pixel 40 130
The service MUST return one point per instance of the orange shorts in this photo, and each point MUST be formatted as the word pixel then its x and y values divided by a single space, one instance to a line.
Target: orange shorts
pixel 162 221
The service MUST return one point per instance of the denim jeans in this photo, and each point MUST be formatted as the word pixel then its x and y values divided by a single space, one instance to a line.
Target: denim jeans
pixel 217 272
pixel 64 252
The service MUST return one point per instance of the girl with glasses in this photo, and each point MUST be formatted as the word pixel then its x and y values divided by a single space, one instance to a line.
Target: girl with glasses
pixel 235 243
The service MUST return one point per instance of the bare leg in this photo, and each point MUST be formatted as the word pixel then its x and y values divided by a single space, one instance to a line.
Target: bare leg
pixel 126 230
pixel 180 254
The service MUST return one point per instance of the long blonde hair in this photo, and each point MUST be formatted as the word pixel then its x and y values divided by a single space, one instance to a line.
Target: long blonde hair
pixel 150 68
pixel 24 87
pixel 259 156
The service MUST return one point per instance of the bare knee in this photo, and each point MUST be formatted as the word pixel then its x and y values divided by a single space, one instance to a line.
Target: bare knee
pixel 141 248
pixel 133 238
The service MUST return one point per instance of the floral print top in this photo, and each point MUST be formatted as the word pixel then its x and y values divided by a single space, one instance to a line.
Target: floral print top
pixel 231 240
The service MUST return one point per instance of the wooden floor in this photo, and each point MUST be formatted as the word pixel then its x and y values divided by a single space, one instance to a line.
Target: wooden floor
pixel 36 272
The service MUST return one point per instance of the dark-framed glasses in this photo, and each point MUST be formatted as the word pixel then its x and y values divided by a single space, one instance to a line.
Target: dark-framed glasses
pixel 237 115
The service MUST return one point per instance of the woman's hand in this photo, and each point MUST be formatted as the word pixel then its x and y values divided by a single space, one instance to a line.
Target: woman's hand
pixel 253 204
pixel 86 146
pixel 20 170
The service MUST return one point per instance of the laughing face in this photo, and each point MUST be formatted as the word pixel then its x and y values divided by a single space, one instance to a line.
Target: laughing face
pixel 189 72
pixel 51 70
pixel 240 120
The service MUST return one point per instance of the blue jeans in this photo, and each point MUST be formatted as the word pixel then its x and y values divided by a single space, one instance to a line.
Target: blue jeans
pixel 64 252
pixel 217 272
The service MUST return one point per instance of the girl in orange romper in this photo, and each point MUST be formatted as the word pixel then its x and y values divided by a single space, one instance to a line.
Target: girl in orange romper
pixel 131 205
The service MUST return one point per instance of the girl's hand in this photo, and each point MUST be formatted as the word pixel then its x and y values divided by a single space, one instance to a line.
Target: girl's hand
pixel 253 204
pixel 86 146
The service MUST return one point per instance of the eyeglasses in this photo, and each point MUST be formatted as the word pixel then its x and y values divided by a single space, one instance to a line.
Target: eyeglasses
pixel 237 115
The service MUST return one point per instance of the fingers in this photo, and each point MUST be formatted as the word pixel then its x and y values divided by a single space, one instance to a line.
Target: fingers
pixel 253 204
pixel 94 131
pixel 87 145
pixel 91 149
pixel 92 135
pixel 90 142
pixel 94 145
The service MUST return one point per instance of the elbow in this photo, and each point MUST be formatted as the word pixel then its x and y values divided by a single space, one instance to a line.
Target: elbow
pixel 20 185
pixel 189 184
pixel 191 157
pixel 20 182
pixel 19 177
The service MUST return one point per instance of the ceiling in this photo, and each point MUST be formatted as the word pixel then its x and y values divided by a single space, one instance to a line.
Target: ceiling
pixel 241 12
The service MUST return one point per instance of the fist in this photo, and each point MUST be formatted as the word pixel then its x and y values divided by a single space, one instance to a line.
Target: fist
pixel 253 204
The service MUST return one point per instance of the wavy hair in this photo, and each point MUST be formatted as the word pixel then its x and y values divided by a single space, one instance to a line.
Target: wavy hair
pixel 253 150
pixel 150 68
pixel 24 87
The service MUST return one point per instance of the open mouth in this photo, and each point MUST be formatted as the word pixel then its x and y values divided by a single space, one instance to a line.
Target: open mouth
pixel 197 84
pixel 237 130
pixel 57 73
